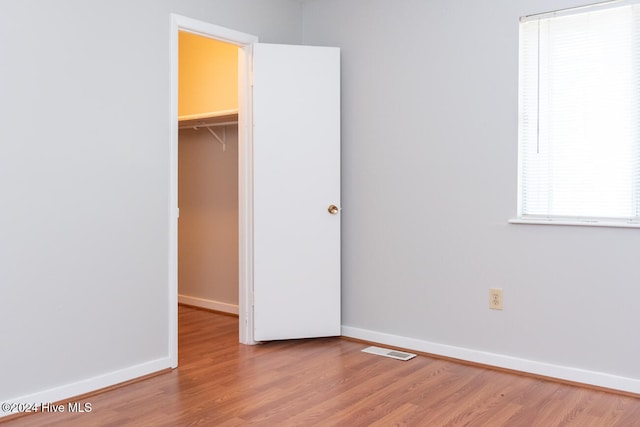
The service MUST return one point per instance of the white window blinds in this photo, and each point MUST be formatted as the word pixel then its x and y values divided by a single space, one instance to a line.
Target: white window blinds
pixel 579 118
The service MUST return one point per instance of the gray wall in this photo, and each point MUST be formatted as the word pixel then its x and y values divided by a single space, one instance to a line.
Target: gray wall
pixel 429 127
pixel 84 179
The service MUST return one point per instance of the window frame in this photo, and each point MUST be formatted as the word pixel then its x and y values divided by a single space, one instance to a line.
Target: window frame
pixel 548 218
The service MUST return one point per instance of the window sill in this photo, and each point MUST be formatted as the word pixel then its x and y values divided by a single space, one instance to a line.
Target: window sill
pixel 584 223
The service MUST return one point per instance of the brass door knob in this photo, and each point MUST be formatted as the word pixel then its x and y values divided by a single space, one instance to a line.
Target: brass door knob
pixel 333 209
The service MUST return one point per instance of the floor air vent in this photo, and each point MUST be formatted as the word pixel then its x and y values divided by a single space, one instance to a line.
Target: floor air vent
pixel 394 354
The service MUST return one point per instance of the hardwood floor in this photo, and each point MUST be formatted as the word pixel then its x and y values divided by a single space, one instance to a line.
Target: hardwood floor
pixel 330 382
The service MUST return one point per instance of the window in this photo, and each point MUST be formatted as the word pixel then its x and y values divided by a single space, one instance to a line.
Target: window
pixel 579 115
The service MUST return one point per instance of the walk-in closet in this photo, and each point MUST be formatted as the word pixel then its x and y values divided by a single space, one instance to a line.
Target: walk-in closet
pixel 208 173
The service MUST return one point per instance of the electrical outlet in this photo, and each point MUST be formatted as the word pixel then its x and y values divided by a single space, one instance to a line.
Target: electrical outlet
pixel 495 299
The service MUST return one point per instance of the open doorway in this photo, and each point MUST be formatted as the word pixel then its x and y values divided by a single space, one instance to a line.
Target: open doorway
pixel 244 43
pixel 208 173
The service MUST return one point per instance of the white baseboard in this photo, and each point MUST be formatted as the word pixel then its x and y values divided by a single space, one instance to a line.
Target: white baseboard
pixel 208 304
pixel 566 373
pixel 69 391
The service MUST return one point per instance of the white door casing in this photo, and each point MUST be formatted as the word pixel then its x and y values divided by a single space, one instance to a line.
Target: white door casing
pixel 245 175
pixel 296 167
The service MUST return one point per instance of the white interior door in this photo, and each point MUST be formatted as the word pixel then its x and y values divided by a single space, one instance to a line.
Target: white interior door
pixel 296 165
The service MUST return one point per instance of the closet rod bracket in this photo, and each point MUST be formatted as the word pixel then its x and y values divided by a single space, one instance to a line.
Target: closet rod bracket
pixel 222 141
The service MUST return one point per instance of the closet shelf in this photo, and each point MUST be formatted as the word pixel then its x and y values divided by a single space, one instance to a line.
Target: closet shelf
pixel 214 119
pixel 211 120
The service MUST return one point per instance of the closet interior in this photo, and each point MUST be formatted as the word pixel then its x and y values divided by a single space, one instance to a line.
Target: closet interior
pixel 207 173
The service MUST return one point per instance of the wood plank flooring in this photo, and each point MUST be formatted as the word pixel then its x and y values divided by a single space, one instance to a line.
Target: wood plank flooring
pixel 330 382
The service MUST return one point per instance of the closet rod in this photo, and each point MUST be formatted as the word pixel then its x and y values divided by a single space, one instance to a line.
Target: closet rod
pixel 207 125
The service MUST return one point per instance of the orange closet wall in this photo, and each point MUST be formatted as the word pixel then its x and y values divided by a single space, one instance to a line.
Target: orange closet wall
pixel 207 77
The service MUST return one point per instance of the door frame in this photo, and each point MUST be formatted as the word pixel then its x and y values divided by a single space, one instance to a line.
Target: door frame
pixel 245 175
